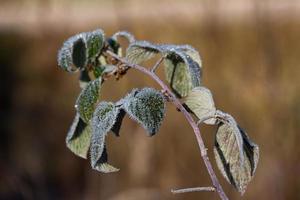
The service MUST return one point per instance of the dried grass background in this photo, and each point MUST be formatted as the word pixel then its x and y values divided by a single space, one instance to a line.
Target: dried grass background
pixel 251 58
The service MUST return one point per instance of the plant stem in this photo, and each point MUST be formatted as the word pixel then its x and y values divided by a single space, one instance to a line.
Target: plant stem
pixel 196 189
pixel 157 64
pixel 187 115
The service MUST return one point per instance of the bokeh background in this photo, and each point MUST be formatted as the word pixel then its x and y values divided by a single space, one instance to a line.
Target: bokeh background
pixel 251 57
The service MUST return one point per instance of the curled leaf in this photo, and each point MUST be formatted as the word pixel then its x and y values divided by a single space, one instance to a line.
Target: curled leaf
pixel 193 53
pixel 124 34
pixel 147 107
pixel 201 103
pixel 102 122
pixel 87 99
pixel 237 171
pixel 78 138
pixel 80 49
pixel 72 56
pixel 182 72
pixel 140 51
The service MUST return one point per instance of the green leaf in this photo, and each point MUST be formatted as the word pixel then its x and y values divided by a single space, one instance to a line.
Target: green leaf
pixel 147 107
pixel 72 55
pixel 95 42
pixel 103 120
pixel 78 138
pixel 87 99
pixel 237 171
pixel 140 51
pixel 182 72
pixel 201 103
pixel 98 70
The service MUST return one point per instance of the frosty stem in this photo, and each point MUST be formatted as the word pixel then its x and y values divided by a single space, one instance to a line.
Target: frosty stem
pixel 173 99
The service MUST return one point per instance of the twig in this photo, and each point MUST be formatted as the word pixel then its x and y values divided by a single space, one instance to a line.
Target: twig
pixel 157 64
pixel 187 115
pixel 195 189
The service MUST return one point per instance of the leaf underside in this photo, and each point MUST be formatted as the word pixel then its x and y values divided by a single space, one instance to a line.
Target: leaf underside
pixel 228 158
pixel 102 122
pixel 182 72
pixel 78 138
pixel 182 63
pixel 201 103
pixel 140 51
pixel 147 107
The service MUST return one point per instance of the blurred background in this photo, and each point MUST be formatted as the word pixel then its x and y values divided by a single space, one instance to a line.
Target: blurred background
pixel 251 57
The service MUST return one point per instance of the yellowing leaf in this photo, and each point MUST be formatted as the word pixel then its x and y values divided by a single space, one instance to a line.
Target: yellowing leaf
pixel 140 51
pixel 182 72
pixel 78 138
pixel 201 103
pixel 236 170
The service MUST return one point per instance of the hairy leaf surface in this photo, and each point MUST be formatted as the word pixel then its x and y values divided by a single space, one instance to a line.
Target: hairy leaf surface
pixel 78 138
pixel 147 107
pixel 182 72
pixel 124 34
pixel 94 41
pixel 236 171
pixel 72 55
pixel 201 103
pixel 87 99
pixel 140 51
pixel 103 120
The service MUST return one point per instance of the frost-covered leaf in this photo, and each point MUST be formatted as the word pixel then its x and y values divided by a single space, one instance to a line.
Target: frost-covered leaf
pixel 72 56
pixel 201 103
pixel 94 43
pixel 182 72
pixel 124 34
pixel 87 99
pixel 237 171
pixel 193 53
pixel 140 51
pixel 78 138
pixel 80 49
pixel 102 122
pixel 147 107
pixel 103 166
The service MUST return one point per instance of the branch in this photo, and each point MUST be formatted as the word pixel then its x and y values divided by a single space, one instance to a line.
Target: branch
pixel 157 64
pixel 186 114
pixel 196 189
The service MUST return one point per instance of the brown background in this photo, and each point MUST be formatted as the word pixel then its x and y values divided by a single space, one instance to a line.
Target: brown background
pixel 250 52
